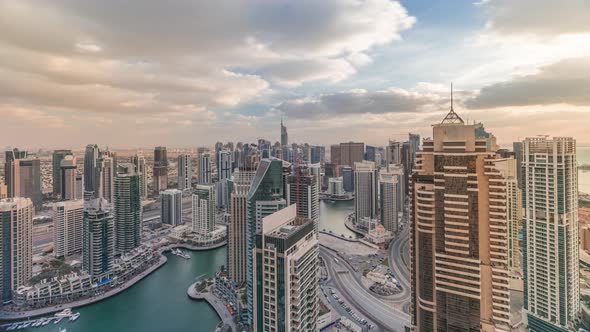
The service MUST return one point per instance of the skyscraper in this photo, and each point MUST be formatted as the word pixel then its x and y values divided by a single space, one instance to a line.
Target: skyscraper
pixel 68 173
pixel 414 141
pixel 67 227
pixel 335 155
pixel 388 199
pixel 551 237
pixel 127 208
pixel 58 156
pixel 237 229
pixel 517 148
pixel 160 173
pixel 22 175
pixel 370 153
pixel 105 176
pixel 507 166
pixel 171 212
pixel 265 197
pixel 204 209
pixel 318 154
pixel 303 190
pixel 98 238
pixel 204 168
pixel 30 180
pixel 460 274
pixel 366 179
pixel 90 177
pixel 394 152
pixel 139 162
pixel 347 175
pixel 284 135
pixel 16 249
pixel 351 153
pixel 12 172
pixel 286 277
pixel 185 171
pixel 224 169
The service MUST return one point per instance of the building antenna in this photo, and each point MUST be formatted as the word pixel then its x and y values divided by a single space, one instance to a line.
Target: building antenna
pixel 451 96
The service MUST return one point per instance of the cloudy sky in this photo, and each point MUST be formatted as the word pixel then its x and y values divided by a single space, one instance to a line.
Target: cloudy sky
pixel 189 73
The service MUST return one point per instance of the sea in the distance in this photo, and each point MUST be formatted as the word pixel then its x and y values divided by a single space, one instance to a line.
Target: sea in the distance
pixel 159 302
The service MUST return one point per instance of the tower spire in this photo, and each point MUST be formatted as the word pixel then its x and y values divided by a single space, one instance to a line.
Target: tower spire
pixel 452 117
pixel 451 96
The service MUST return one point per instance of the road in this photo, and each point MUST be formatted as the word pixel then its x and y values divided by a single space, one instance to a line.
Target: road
pixel 377 310
pixel 398 247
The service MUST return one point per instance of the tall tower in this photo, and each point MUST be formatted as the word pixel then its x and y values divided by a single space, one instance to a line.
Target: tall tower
pixel 286 276
pixel 389 185
pixel 204 209
pixel 90 177
pixel 237 252
pixel 16 251
pixel 551 236
pixel 366 188
pixel 394 152
pixel 284 135
pixel 460 273
pixel 105 176
pixel 171 213
pixel 58 156
pixel 12 171
pixel 67 227
pixel 127 204
pixel 204 168
pixel 303 190
pixel 264 198
pixel 98 238
pixel 185 171
pixel 160 173
pixel 68 173
pixel 141 170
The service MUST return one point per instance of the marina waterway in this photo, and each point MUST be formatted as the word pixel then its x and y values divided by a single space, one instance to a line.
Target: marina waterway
pixel 159 301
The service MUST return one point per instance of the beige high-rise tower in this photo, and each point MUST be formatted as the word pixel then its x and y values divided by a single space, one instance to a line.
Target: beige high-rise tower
pixel 459 232
pixel 16 251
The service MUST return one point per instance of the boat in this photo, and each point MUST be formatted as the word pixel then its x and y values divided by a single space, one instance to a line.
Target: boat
pixel 27 323
pixel 74 316
pixel 67 312
pixel 46 322
pixel 58 320
pixel 63 330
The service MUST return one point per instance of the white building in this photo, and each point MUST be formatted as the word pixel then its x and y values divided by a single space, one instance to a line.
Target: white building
pixel 389 184
pixel 67 227
pixel 204 209
pixel 336 186
pixel 551 236
pixel 365 190
pixel 286 274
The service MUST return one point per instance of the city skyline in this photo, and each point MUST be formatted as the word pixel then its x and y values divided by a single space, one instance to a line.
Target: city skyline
pixel 98 78
pixel 295 165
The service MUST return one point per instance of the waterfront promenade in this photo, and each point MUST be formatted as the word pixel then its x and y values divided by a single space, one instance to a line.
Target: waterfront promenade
pixel 19 315
pixel 217 304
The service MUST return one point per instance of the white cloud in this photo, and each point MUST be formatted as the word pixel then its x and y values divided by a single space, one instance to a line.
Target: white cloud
pixel 537 18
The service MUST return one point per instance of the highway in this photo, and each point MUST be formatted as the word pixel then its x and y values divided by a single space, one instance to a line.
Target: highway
pixel 377 310
pixel 398 247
